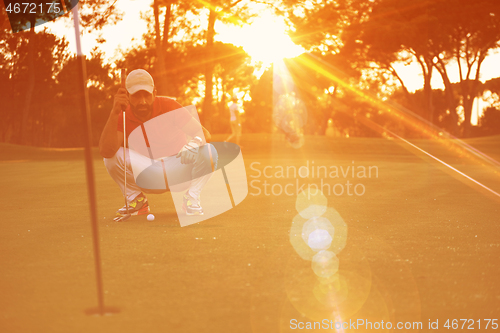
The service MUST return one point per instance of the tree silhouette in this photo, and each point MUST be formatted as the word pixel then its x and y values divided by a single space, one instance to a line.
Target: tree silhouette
pixel 51 54
pixel 230 11
pixel 436 34
pixel 94 15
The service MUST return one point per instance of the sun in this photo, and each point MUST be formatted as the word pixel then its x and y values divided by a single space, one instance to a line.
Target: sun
pixel 265 39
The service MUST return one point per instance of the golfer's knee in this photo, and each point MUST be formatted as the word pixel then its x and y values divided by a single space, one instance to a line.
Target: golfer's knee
pixel 110 163
pixel 114 162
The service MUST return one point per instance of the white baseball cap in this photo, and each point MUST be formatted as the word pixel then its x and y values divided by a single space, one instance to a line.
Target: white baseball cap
pixel 139 79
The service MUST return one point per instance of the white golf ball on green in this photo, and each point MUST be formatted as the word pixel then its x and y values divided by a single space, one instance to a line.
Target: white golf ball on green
pixel 151 217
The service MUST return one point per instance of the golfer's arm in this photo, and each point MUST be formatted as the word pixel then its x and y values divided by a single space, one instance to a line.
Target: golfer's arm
pixel 111 139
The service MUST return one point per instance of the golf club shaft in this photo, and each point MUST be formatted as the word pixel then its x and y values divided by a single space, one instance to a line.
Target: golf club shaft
pixel 122 77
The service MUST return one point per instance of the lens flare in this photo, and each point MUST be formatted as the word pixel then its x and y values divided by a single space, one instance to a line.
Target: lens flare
pixel 333 293
pixel 319 239
pixel 325 264
pixel 331 222
pixel 316 232
pixel 289 110
pixel 311 203
pixel 341 295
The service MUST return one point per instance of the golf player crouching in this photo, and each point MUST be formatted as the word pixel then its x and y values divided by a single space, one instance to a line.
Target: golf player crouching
pixel 192 160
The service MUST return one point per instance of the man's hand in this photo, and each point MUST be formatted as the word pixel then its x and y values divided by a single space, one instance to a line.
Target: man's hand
pixel 189 152
pixel 121 101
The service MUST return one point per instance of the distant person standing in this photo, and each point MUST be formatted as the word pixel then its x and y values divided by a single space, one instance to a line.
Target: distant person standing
pixel 235 121
pixel 330 131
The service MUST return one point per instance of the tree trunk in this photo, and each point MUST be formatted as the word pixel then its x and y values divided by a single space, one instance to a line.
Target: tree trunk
pixel 209 71
pixel 166 26
pixel 160 59
pixel 223 101
pixel 468 100
pixel 429 105
pixel 169 68
pixel 407 94
pixel 470 90
pixel 30 86
pixel 450 99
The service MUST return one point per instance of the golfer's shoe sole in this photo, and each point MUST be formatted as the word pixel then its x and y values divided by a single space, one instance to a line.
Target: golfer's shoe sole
pixel 121 216
pixel 136 205
pixel 192 211
pixel 141 211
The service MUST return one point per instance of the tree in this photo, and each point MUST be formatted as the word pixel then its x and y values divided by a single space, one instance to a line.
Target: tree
pixel 433 33
pixel 228 11
pixel 476 33
pixel 259 109
pixel 101 89
pixel 489 122
pixel 16 69
pixel 232 72
pixel 35 43
pixel 175 20
pixel 392 31
pixel 443 117
pixel 335 59
pixel 440 33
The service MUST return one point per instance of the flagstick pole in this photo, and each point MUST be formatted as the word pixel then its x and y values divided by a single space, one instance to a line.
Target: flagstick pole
pixel 84 105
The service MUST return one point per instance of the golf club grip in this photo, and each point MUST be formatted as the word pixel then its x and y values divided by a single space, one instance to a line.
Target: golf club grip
pixel 123 77
pixel 123 74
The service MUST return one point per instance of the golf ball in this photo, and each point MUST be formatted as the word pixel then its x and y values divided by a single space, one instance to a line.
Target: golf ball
pixel 151 217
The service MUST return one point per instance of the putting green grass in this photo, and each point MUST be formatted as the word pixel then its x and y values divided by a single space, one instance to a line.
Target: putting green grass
pixel 422 243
